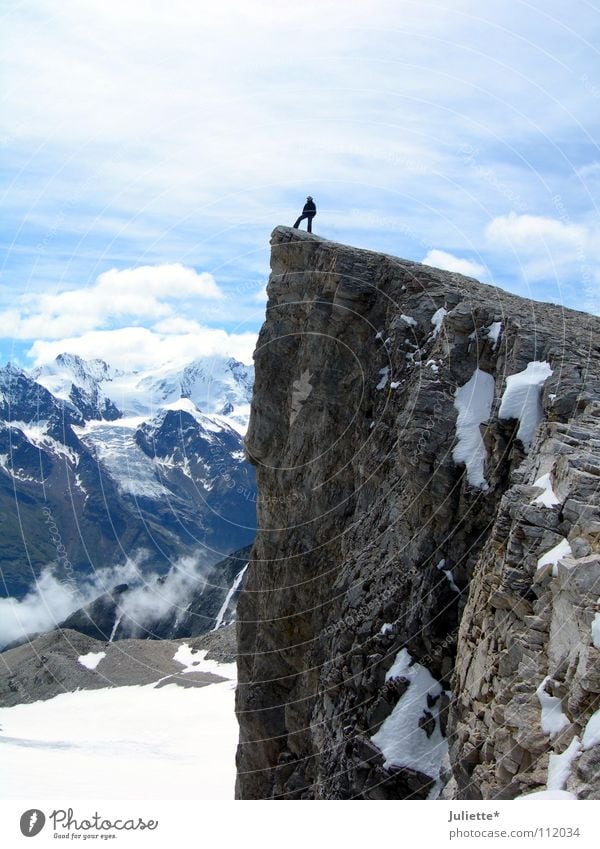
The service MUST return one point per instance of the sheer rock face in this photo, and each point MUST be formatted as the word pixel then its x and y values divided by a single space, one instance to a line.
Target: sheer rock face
pixel 352 432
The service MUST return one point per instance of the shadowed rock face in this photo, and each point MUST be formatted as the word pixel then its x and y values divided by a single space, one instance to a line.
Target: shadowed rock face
pixel 375 537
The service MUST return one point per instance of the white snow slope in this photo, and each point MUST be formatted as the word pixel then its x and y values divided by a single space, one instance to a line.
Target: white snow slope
pixel 138 742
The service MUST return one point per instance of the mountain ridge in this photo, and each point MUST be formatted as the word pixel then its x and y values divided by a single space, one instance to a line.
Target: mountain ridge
pixel 87 488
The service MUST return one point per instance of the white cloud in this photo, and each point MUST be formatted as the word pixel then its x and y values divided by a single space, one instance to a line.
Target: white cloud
pixel 529 233
pixel 552 249
pixel 143 293
pixel 139 347
pixel 168 280
pixel 178 325
pixel 51 600
pixel 188 113
pixel 260 297
pixel 591 171
pixel 449 262
pixel 187 130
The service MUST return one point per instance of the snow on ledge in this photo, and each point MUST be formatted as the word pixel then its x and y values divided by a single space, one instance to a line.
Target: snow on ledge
pixel 559 766
pixel 562 549
pixel 385 373
pixel 522 399
pixel 437 319
pixel 548 497
pixel 474 404
pixel 493 332
pixel 448 574
pixel 402 741
pixel 596 630
pixel 553 720
pixel 546 795
pixel 591 733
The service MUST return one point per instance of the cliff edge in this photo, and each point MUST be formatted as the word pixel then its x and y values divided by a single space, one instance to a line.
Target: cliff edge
pixel 419 617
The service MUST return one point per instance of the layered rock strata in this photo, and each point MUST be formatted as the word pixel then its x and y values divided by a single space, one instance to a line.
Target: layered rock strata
pixel 423 442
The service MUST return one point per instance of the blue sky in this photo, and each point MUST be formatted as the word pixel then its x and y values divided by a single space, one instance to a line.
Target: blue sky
pixel 147 151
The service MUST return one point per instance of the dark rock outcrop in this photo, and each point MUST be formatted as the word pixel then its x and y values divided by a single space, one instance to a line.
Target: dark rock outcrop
pixel 397 457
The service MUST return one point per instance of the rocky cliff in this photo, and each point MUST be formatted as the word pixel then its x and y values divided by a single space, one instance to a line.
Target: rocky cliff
pixel 419 616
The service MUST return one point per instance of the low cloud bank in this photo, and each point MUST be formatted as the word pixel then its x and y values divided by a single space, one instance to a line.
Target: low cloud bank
pixel 150 598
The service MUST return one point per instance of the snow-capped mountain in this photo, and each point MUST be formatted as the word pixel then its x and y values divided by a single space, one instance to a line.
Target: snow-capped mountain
pixel 23 399
pixel 220 385
pixel 97 464
pixel 216 385
pixel 80 382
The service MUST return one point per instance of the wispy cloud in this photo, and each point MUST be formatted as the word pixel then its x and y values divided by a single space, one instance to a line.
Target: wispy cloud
pixel 443 259
pixel 141 347
pixel 532 233
pixel 184 134
pixel 51 600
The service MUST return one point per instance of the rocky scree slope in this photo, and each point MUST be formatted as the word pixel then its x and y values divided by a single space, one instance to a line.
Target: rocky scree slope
pixel 419 615
pixel 64 661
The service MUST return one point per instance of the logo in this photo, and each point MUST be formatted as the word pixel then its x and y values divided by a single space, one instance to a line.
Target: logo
pixel 32 822
pixel 301 390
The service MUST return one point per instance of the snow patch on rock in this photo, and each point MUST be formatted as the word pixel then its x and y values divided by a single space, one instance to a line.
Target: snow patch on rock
pixel 553 719
pixel 562 549
pixel 437 319
pixel 402 740
pixel 548 496
pixel 474 404
pixel 559 766
pixel 522 399
pixel 91 659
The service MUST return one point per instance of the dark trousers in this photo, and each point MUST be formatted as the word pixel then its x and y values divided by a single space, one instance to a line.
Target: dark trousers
pixel 310 216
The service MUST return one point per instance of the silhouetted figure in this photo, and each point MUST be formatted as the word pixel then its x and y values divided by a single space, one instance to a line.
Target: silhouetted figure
pixel 309 211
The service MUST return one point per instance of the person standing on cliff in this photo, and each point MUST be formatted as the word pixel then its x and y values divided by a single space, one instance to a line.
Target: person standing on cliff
pixel 309 211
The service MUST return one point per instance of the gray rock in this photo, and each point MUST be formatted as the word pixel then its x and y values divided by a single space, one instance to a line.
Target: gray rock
pixel 352 432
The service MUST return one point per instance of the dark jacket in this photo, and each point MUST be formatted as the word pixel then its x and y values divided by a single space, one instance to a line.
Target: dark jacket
pixel 309 208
